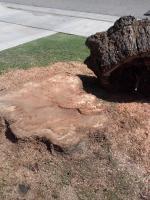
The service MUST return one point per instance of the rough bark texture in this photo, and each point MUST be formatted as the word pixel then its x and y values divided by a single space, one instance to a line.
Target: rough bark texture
pixel 120 57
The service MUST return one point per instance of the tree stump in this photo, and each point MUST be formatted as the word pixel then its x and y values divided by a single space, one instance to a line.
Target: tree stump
pixel 120 57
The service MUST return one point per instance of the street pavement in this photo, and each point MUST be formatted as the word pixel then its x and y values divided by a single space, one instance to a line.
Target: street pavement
pixel 20 24
pixel 107 7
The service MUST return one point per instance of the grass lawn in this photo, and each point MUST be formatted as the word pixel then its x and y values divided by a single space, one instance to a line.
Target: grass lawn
pixel 41 52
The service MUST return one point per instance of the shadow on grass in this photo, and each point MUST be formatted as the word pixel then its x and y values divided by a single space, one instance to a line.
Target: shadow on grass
pixel 91 85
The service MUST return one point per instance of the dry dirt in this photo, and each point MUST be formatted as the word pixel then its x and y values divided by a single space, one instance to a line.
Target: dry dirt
pixel 62 137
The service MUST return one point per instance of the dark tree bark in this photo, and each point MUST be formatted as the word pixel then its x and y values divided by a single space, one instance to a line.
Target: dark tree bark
pixel 120 57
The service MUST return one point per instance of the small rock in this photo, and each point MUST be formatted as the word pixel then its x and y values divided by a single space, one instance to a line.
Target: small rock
pixel 23 188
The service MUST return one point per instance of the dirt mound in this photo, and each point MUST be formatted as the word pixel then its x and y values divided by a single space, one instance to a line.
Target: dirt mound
pixel 62 137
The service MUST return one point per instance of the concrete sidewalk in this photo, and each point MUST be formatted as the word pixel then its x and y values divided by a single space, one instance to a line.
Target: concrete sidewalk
pixel 12 35
pixel 20 24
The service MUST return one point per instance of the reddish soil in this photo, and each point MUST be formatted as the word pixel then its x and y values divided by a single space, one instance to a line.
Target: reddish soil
pixel 99 145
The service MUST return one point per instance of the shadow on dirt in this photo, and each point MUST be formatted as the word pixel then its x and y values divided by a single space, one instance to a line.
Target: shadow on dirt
pixel 91 85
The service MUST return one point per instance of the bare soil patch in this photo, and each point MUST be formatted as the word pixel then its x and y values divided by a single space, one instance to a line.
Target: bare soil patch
pixel 102 146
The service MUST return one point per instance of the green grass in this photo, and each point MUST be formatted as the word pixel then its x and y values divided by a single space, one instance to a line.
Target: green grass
pixel 45 51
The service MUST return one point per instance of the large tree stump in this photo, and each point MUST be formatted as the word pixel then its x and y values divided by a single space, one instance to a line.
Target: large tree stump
pixel 120 57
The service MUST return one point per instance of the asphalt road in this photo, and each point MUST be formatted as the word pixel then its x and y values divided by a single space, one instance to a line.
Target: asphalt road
pixel 110 7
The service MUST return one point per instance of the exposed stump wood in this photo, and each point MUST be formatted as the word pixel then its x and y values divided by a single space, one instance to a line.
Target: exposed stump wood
pixel 51 106
pixel 120 57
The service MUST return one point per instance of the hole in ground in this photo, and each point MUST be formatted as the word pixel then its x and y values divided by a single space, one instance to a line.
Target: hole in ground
pixel 9 134
pixel 132 77
pixel 92 86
